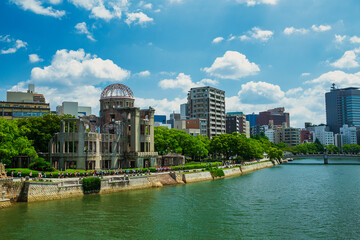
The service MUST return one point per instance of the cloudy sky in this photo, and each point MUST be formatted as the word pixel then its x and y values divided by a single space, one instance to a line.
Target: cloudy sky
pixel 263 53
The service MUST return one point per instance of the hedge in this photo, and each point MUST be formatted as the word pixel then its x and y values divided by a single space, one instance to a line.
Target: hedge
pixel 91 185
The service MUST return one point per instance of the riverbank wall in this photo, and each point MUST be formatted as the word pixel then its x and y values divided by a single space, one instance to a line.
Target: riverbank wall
pixel 44 191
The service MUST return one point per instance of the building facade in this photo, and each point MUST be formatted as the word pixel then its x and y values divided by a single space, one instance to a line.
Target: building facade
pixel 208 103
pixel 306 136
pixel 183 111
pixel 348 134
pixel 235 122
pixel 24 104
pixel 276 117
pixel 288 135
pixel 74 109
pixel 122 137
pixel 342 107
pixel 252 119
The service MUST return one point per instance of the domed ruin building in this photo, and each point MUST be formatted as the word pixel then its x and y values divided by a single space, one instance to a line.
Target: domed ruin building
pixel 122 137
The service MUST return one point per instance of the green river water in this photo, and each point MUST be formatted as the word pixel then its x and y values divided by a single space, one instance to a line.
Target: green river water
pixel 282 202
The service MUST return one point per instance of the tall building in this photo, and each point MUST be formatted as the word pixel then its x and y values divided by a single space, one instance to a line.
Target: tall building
pixel 183 111
pixel 208 103
pixel 342 107
pixel 275 117
pixel 74 109
pixel 252 119
pixel 24 104
pixel 235 122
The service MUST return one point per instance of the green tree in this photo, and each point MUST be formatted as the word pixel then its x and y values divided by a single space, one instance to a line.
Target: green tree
pixel 12 143
pixel 41 129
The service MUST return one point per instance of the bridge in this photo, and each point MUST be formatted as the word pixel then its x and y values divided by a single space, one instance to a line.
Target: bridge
pixel 324 156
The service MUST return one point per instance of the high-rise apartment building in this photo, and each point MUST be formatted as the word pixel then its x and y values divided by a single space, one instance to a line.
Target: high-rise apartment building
pixel 208 103
pixel 274 117
pixel 342 107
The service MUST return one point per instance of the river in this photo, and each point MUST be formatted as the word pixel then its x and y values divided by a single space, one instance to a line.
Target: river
pixel 282 202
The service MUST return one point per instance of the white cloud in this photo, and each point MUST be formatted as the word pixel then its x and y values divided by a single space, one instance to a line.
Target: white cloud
pixel 138 18
pixel 256 2
pixel 207 81
pixel 162 106
pixel 315 28
pixel 355 39
pixel 348 60
pixel 233 65
pixel 81 28
pixel 339 38
pixel 145 73
pixel 262 35
pixel 340 78
pixel 175 1
pixel 305 74
pixel 34 58
pixel 76 67
pixel 217 40
pixel 255 33
pixel 106 10
pixel 184 82
pixel 321 28
pixel 18 44
pixel 37 7
pixel 145 5
pixel 260 93
pixel 292 30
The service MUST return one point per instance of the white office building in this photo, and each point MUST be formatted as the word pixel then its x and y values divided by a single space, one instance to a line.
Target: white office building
pixel 348 134
pixel 74 109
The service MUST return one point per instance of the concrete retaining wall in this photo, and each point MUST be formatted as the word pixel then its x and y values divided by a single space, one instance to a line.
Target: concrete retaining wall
pixel 36 191
pixel 254 167
pixel 197 177
pixel 232 172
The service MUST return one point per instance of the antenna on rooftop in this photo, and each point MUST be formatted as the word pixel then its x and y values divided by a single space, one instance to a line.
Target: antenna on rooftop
pixel 333 86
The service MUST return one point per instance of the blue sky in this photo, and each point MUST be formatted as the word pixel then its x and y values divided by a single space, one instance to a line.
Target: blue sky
pixel 263 53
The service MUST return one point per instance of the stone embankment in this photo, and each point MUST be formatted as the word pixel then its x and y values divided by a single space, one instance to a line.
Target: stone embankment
pixel 41 191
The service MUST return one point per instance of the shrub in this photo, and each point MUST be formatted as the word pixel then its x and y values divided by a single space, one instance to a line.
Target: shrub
pixel 215 172
pixel 91 185
pixel 40 164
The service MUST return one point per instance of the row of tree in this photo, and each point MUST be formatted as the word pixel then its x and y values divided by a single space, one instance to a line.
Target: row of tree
pixel 316 148
pixel 227 146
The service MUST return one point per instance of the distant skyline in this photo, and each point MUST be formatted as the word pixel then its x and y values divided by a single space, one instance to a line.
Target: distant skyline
pixel 262 53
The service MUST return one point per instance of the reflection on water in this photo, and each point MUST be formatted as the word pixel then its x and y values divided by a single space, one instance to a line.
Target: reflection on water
pixel 283 202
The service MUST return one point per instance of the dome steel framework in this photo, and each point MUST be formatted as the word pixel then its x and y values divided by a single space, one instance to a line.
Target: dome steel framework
pixel 117 90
